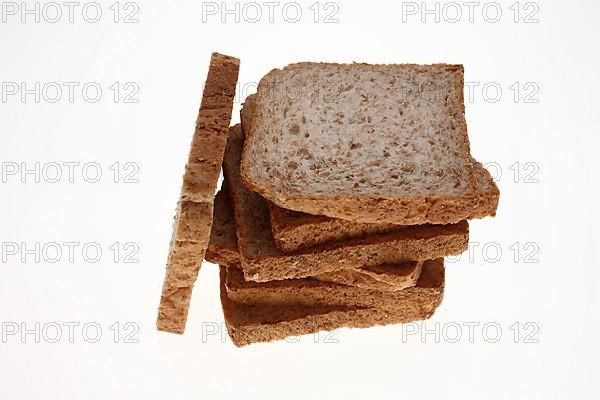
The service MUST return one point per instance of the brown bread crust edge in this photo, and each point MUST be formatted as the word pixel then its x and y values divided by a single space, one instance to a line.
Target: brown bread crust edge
pixel 310 291
pixel 222 247
pixel 193 220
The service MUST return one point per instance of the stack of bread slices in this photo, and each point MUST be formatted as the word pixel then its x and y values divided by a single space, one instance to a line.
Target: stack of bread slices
pixel 345 186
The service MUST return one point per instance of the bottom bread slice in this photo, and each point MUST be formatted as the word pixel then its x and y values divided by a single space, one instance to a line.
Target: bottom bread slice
pixel 309 291
pixel 264 312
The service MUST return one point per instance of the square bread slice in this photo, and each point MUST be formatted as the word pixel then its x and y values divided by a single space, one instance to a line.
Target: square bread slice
pixel 193 220
pixel 294 230
pixel 367 143
pixel 310 291
pixel 223 250
pixel 262 260
pixel 273 320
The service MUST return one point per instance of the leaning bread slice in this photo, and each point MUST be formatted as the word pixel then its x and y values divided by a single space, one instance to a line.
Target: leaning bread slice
pixel 262 260
pixel 193 220
pixel 273 320
pixel 367 143
pixel 223 250
pixel 294 230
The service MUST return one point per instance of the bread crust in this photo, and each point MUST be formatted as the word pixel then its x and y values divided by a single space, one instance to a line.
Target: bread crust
pixel 193 220
pixel 311 291
pixel 222 247
pixel 489 193
pixel 409 210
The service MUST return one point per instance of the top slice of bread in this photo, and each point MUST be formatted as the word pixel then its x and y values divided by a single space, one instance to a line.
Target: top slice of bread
pixel 193 220
pixel 368 143
pixel 294 230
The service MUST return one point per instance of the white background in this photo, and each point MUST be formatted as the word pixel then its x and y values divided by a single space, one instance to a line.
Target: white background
pixel 548 288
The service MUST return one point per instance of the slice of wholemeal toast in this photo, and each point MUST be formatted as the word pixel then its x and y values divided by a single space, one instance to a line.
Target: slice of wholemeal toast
pixel 193 219
pixel 262 260
pixel 367 143
pixel 310 291
pixel 294 230
pixel 273 320
pixel 223 250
